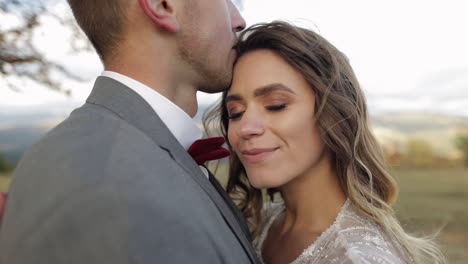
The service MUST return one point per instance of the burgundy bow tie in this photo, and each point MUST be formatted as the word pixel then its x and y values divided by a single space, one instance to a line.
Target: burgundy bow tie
pixel 206 149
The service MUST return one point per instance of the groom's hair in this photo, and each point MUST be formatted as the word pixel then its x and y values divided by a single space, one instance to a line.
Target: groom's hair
pixel 101 21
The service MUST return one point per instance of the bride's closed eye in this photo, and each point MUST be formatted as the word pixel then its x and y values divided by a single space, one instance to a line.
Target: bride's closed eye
pixel 276 107
pixel 235 115
pixel 234 111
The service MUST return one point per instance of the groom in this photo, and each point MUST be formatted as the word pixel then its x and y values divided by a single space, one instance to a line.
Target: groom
pixel 114 183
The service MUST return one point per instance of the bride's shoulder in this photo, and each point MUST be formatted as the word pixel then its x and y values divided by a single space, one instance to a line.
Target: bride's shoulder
pixel 364 241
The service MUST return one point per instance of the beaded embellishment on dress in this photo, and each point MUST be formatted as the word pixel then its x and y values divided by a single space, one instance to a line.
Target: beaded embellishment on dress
pixel 351 239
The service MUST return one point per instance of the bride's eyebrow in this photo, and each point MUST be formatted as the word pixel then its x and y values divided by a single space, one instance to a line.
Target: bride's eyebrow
pixel 232 97
pixel 261 91
pixel 270 88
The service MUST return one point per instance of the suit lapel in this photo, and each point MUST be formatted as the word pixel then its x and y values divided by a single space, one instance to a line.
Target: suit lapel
pixel 230 203
pixel 183 158
pixel 127 104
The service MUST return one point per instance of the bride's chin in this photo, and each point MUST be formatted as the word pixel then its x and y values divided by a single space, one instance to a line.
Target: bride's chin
pixel 262 184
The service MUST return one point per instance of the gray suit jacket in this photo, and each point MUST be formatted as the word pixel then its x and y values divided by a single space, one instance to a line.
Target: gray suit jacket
pixel 111 184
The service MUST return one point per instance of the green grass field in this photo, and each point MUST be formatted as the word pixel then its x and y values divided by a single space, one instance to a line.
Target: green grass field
pixel 4 182
pixel 434 199
pixel 429 200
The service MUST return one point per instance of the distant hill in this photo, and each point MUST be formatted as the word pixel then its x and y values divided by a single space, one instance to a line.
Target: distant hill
pixel 14 141
pixel 395 129
pixel 18 132
pixel 410 122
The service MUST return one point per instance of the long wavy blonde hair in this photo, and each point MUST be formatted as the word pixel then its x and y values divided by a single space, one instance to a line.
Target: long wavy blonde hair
pixel 343 122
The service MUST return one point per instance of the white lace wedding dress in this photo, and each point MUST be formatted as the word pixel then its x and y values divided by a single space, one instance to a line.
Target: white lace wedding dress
pixel 350 239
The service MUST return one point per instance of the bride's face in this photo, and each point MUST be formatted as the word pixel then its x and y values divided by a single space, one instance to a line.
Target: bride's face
pixel 272 124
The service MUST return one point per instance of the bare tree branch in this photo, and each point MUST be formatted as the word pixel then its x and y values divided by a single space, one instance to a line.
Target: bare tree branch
pixel 20 57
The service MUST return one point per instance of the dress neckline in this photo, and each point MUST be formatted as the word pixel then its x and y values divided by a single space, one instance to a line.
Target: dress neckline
pixel 310 248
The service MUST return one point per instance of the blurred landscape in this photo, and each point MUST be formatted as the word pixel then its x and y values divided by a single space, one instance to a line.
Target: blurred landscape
pixel 432 200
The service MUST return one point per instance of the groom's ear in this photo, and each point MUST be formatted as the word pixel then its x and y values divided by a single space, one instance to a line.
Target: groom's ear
pixel 162 13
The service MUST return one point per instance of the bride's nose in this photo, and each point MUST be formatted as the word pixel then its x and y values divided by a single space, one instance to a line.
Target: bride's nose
pixel 251 124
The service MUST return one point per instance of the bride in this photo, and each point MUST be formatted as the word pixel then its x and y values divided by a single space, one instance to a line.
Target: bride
pixel 296 120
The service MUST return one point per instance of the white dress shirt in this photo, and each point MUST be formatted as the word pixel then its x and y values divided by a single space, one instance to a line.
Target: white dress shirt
pixel 181 125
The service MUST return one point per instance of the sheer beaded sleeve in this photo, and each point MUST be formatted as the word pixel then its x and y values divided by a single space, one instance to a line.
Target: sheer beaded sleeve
pixel 351 239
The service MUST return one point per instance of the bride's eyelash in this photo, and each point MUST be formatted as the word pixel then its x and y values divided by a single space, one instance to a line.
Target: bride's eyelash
pixel 272 108
pixel 234 116
pixel 277 107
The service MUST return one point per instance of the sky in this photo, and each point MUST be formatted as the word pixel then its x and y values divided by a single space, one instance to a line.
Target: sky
pixel 408 55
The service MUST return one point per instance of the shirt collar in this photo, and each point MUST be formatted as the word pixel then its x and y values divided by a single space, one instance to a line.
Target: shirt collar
pixel 181 125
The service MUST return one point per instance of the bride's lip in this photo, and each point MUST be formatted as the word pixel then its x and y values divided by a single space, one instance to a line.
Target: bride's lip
pixel 256 155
